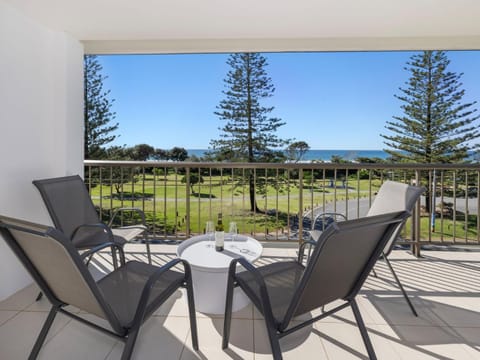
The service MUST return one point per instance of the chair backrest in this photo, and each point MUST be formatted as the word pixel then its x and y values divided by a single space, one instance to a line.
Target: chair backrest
pixel 68 202
pixel 56 266
pixel 395 196
pixel 345 254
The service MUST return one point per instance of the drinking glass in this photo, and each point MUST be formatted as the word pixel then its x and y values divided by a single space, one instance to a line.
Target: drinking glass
pixel 233 230
pixel 209 230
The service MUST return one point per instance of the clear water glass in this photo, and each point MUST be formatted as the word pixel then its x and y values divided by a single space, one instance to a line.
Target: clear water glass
pixel 232 230
pixel 209 230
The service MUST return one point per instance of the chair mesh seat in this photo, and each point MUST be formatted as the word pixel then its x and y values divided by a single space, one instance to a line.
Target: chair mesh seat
pixel 122 289
pixel 89 237
pixel 281 280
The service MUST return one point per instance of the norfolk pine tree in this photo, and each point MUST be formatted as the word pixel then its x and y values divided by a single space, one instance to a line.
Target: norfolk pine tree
pixel 436 126
pixel 248 133
pixel 98 118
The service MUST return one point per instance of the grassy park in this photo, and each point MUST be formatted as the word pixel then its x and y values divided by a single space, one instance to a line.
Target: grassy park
pixel 164 200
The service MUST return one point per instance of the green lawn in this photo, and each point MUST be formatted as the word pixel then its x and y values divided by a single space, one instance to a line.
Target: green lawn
pixel 163 198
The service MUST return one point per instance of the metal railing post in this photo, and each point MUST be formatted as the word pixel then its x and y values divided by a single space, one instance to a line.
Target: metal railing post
pixel 300 205
pixel 416 221
pixel 187 201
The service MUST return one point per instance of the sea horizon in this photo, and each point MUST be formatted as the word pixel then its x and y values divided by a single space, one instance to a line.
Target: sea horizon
pixel 322 154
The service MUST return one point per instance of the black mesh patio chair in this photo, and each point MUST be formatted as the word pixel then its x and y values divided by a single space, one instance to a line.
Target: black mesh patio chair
pixel 392 196
pixel 73 213
pixel 126 297
pixel 345 254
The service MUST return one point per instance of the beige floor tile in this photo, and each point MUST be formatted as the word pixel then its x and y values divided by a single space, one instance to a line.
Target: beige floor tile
pixel 470 335
pixel 302 344
pixel 472 351
pixel 456 311
pixel 450 351
pixel 471 340
pixel 394 310
pixel 210 340
pixel 44 305
pixel 6 315
pixel 244 313
pixel 270 252
pixel 427 335
pixel 159 338
pixel 21 299
pixel 382 337
pixel 428 341
pixel 41 305
pixel 78 341
pixel 439 352
pixel 175 305
pixel 410 351
pixel 346 314
pixel 18 335
pixel 343 341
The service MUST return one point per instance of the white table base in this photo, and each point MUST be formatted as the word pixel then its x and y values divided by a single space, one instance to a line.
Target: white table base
pixel 210 270
pixel 209 289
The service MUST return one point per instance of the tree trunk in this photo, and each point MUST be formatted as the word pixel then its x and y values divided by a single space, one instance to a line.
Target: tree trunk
pixel 253 201
pixel 428 201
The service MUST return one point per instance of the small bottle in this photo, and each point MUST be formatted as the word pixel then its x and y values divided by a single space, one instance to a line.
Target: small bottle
pixel 219 234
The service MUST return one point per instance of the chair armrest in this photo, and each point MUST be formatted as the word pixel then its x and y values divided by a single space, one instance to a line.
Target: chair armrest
pixel 142 304
pixel 133 209
pixel 103 246
pixel 333 215
pixel 264 298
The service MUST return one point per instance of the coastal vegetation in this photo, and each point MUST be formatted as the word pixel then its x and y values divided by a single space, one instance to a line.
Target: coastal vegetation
pixel 436 126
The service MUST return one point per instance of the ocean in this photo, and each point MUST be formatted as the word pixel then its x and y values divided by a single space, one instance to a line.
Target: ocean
pixel 324 155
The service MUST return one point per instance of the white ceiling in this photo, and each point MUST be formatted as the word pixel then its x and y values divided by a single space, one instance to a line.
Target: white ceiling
pixel 112 26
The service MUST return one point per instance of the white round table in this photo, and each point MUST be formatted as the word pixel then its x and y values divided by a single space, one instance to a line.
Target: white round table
pixel 210 269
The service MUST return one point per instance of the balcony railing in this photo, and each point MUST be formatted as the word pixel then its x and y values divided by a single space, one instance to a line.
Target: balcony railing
pixel 179 197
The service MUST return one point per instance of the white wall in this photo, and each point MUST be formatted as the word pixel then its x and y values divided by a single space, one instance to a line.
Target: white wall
pixel 41 122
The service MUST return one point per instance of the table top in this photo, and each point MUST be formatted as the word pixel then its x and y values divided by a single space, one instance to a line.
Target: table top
pixel 200 251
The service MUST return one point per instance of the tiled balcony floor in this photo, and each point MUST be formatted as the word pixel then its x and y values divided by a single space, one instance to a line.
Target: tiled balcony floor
pixel 444 286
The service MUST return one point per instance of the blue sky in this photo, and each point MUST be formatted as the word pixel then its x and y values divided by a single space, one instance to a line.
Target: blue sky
pixel 330 100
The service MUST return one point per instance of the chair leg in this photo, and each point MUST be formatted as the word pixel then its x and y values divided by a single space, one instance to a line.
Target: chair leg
pixel 400 286
pixel 43 333
pixel 374 273
pixel 39 296
pixel 121 253
pixel 274 342
pixel 149 255
pixel 88 260
pixel 227 322
pixel 114 257
pixel 191 313
pixel 129 344
pixel 309 254
pixel 363 330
